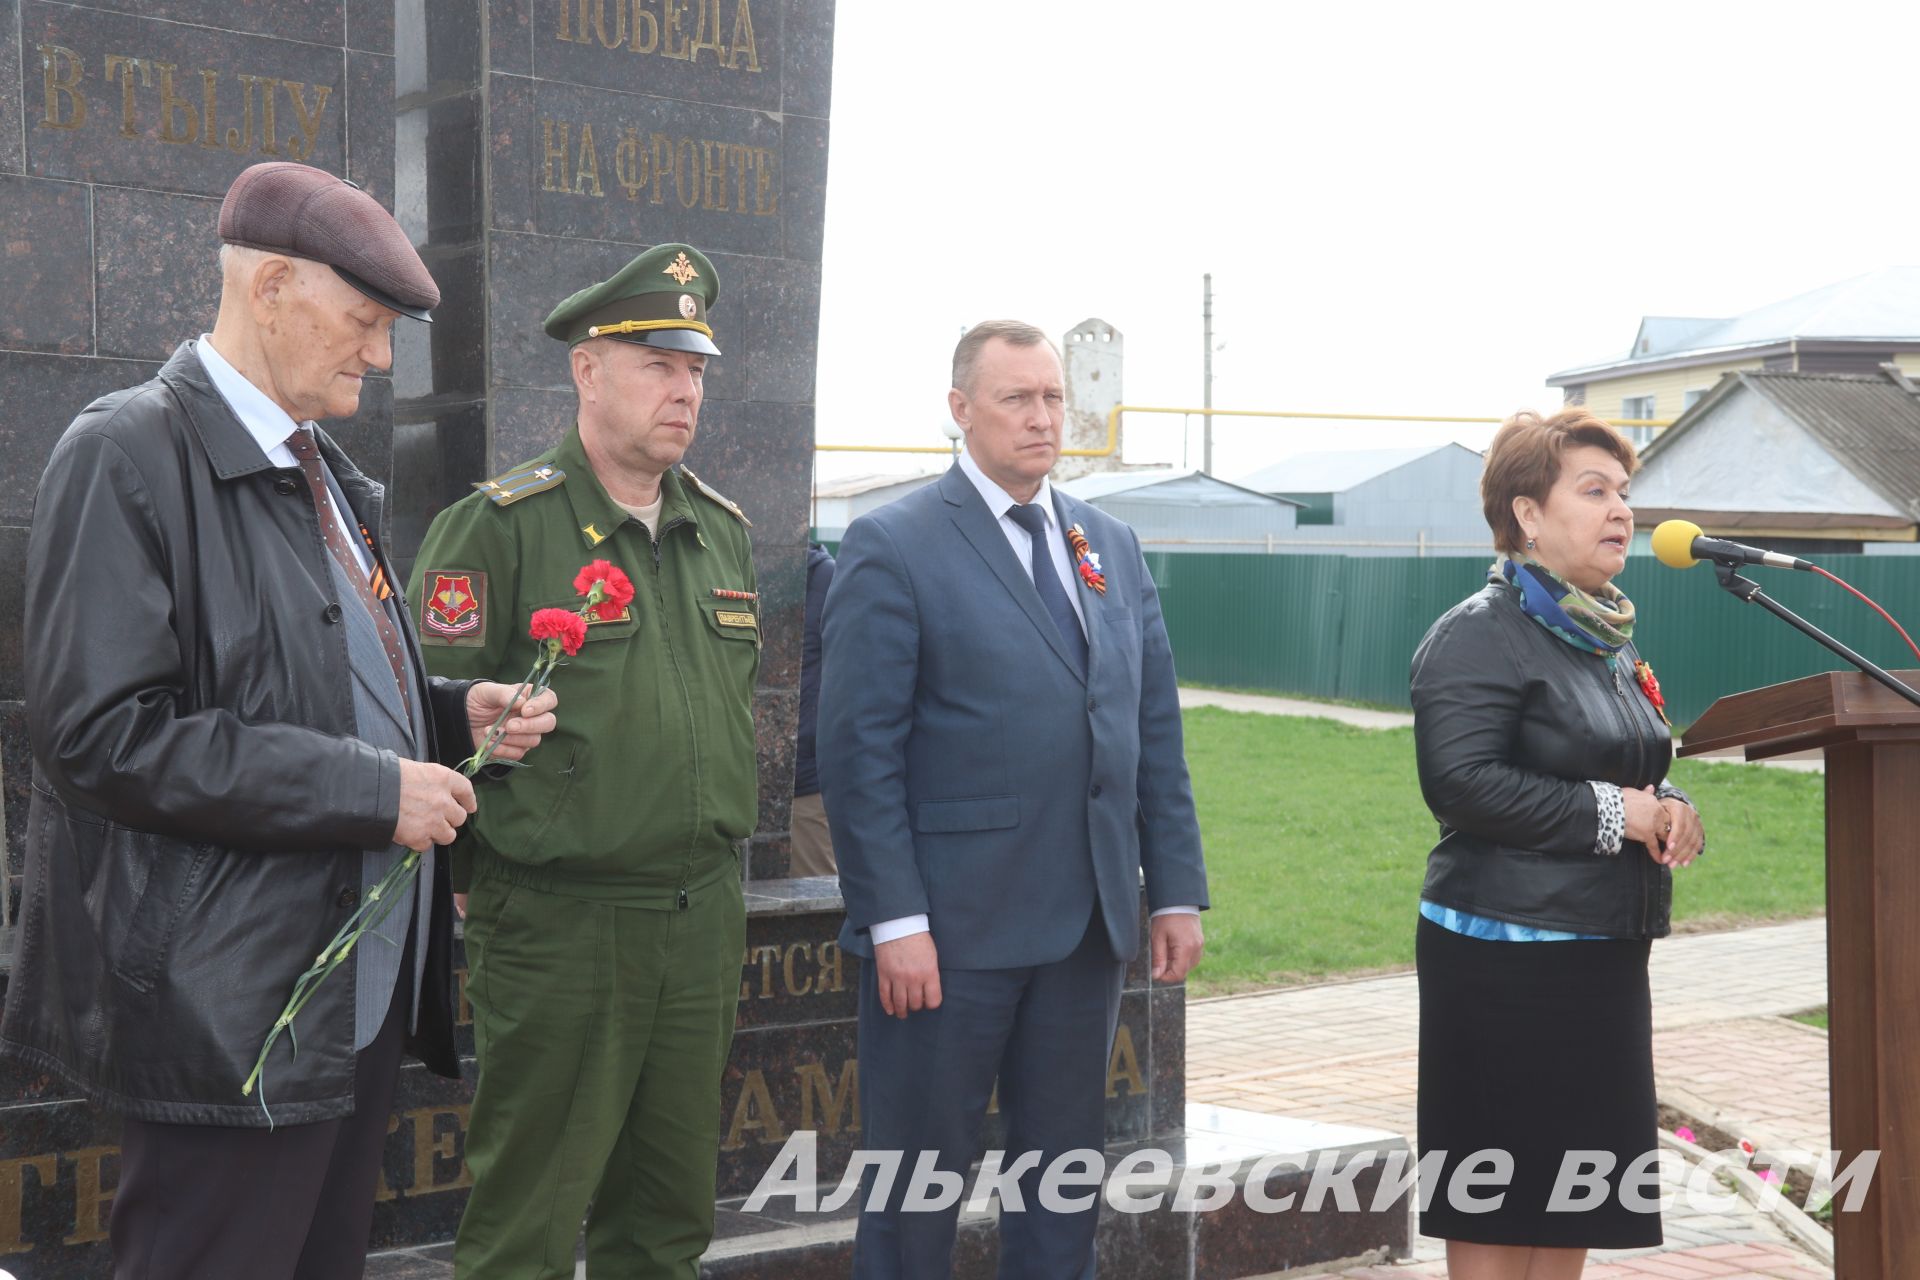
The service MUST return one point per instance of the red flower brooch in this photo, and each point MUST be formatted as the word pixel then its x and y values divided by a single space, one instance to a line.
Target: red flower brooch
pixel 1086 562
pixel 1650 685
pixel 616 590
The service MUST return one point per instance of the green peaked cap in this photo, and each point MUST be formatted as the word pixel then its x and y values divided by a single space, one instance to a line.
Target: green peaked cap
pixel 660 299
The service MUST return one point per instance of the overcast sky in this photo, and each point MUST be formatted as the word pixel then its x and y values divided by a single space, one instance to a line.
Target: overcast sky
pixel 1406 207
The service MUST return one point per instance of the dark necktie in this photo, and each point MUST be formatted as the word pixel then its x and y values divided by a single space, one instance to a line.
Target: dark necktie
pixel 1047 582
pixel 333 527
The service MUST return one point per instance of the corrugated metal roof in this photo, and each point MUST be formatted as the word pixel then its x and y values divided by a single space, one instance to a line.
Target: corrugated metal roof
pixel 1870 423
pixel 854 486
pixel 1880 306
pixel 1336 471
pixel 1189 486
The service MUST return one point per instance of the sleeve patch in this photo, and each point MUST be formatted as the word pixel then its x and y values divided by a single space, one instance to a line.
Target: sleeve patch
pixel 453 608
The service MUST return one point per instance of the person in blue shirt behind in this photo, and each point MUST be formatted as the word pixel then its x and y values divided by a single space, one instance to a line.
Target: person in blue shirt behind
pixel 812 841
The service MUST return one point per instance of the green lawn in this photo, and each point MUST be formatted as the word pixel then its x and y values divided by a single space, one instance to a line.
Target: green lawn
pixel 1316 843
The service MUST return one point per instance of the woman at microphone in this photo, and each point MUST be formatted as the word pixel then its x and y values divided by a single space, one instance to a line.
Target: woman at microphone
pixel 1543 752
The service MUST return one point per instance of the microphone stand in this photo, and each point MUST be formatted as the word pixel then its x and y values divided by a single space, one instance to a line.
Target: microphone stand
pixel 1747 590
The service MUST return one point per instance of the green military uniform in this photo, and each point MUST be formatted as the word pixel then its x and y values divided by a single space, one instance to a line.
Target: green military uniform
pixel 604 920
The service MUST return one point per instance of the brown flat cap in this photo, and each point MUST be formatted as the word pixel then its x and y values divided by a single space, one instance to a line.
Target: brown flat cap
pixel 304 212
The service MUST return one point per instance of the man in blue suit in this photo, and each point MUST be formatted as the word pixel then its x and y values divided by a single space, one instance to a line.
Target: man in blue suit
pixel 1000 754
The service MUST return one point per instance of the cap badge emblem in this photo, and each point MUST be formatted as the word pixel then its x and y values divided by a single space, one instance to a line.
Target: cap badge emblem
pixel 681 270
pixel 688 307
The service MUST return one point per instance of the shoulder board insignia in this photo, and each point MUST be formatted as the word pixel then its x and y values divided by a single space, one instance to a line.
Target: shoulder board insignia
pixel 716 497
pixel 508 488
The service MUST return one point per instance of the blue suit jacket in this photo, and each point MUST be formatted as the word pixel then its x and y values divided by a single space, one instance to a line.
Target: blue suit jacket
pixel 968 771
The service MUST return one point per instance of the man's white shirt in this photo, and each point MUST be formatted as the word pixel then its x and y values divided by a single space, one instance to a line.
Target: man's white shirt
pixel 271 427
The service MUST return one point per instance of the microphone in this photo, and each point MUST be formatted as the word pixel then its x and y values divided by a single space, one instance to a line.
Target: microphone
pixel 1679 544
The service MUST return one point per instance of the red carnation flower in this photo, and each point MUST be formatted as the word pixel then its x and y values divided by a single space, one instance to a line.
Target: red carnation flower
pixel 569 628
pixel 616 589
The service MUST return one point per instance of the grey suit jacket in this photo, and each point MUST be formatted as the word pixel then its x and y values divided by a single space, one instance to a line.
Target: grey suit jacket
pixel 968 771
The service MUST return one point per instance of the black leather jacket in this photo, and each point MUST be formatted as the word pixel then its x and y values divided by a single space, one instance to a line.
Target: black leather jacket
pixel 1510 724
pixel 199 802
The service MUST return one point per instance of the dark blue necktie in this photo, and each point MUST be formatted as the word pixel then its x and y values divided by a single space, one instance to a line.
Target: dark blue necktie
pixel 1047 582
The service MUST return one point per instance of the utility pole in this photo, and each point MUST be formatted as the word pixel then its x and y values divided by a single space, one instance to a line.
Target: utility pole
pixel 1206 330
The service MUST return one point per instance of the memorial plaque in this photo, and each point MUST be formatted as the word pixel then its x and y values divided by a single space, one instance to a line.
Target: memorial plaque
pixel 609 126
pixel 128 101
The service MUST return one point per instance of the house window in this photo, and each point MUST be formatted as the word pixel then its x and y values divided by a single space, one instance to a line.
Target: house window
pixel 1691 399
pixel 1637 407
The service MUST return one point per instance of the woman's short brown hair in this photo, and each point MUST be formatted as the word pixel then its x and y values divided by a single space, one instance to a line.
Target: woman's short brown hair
pixel 1524 461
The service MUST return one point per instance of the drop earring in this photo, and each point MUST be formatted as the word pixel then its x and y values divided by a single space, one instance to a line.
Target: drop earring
pixel 1529 544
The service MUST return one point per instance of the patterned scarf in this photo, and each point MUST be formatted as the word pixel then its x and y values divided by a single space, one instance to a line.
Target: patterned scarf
pixel 1597 623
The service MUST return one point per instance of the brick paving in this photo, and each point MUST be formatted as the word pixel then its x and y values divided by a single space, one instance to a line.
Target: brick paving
pixel 1345 1053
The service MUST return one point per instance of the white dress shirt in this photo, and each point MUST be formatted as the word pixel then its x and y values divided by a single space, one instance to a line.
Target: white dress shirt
pixel 999 502
pixel 271 427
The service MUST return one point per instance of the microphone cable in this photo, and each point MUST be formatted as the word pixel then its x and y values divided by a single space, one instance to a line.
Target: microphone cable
pixel 1836 578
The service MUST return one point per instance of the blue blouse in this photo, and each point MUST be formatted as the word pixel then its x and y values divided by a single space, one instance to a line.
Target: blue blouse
pixel 1491 930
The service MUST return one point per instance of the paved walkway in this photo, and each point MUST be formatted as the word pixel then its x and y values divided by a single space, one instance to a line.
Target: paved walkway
pixel 1344 1052
pixel 1724 1055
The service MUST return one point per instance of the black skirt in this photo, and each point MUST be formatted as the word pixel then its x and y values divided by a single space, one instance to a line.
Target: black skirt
pixel 1543 1050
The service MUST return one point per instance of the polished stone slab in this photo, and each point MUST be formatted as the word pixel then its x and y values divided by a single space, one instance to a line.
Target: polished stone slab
pixel 128 100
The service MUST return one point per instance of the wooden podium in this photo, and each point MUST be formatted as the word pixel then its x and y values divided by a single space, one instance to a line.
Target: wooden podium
pixel 1871 738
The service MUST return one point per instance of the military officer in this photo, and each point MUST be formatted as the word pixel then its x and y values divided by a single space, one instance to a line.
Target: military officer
pixel 604 921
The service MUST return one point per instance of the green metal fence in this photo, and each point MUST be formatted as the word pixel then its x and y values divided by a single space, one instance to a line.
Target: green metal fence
pixel 1346 627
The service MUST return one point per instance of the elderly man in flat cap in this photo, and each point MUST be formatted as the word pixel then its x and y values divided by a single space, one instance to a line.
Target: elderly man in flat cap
pixel 604 919
pixel 233 739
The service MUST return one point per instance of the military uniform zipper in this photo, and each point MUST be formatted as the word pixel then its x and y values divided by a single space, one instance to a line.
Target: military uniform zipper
pixel 686 703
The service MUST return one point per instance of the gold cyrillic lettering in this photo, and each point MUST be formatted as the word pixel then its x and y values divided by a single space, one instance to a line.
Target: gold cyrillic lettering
pixel 566 24
pixel 742 161
pixel 13 1197
pixel 209 99
pixel 662 161
pixel 713 176
pixel 754 1111
pixel 241 140
pixel 630 163
pixel 675 9
pixel 269 145
pixel 765 198
pixel 125 67
pixel 837 1098
pixel 766 956
pixel 171 104
pixel 426 1146
pixel 302 147
pixel 553 152
pixel 743 38
pixel 1123 1065
pixel 68 86
pixel 587 167
pixel 831 978
pixel 381 1191
pixel 797 986
pixel 686 163
pixel 90 1199
pixel 642 18
pixel 600 23
pixel 701 38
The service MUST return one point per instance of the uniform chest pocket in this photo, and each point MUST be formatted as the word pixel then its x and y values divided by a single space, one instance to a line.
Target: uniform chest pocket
pixel 736 624
pixel 621 628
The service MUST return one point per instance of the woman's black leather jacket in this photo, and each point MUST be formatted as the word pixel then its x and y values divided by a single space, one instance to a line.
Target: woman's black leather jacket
pixel 1512 725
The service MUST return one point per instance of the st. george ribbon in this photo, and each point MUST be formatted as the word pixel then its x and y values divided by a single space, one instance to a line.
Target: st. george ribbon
pixel 1679 544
